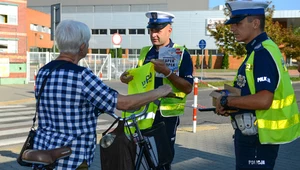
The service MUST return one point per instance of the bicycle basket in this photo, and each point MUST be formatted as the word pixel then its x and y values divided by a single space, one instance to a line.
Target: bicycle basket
pixel 163 146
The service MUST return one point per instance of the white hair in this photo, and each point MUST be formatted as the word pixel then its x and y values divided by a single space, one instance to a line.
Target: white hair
pixel 70 35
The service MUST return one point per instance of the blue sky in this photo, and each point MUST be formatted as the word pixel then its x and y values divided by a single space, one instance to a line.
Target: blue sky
pixel 279 4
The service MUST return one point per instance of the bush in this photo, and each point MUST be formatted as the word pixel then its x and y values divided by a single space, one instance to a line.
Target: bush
pixel 225 61
pixel 197 62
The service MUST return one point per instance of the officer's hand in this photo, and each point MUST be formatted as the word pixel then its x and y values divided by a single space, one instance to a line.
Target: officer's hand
pixel 160 66
pixel 219 109
pixel 125 77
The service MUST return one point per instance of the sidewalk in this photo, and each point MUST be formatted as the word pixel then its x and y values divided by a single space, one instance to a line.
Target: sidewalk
pixel 210 148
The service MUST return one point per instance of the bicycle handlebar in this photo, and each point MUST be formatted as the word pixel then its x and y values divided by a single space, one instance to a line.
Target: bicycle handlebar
pixel 207 109
pixel 132 116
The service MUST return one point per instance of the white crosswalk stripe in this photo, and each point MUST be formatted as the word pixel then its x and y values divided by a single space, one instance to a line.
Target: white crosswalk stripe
pixel 15 123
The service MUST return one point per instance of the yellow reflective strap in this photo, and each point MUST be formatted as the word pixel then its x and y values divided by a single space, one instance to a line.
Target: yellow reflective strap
pixel 279 124
pixel 180 94
pixel 177 106
pixel 279 104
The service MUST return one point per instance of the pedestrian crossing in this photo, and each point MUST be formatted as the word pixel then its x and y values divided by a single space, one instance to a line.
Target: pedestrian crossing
pixel 16 121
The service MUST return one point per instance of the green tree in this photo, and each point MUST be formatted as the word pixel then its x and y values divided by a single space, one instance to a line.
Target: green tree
pixel 113 52
pixel 119 52
pixel 227 43
pixel 225 61
pixel 292 44
pixel 197 61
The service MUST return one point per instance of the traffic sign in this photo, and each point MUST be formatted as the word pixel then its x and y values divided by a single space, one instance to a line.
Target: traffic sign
pixel 202 44
pixel 116 39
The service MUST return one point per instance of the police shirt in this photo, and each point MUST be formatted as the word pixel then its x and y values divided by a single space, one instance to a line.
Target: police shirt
pixel 185 69
pixel 265 72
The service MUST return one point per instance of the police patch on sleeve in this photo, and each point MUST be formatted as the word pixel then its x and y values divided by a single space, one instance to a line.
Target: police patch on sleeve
pixel 241 80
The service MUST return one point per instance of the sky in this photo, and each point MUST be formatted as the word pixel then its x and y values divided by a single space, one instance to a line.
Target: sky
pixel 279 4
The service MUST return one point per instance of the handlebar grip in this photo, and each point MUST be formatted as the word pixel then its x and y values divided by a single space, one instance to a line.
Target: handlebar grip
pixel 207 109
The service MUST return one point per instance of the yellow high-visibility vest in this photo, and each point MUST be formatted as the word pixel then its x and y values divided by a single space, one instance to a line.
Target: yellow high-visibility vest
pixel 281 122
pixel 168 106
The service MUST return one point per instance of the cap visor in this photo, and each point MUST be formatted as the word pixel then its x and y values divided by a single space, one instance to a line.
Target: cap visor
pixel 235 20
pixel 158 26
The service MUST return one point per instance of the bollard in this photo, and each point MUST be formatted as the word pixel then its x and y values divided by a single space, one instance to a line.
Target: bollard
pixel 100 75
pixel 34 78
pixel 195 104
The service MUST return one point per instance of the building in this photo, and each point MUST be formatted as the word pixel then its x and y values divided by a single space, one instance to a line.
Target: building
pixel 127 18
pixel 21 30
pixel 38 31
pixel 13 38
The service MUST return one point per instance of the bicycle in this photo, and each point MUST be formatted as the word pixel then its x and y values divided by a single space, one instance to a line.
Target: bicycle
pixel 146 155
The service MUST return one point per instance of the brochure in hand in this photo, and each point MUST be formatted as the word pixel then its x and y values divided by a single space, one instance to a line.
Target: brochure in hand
pixel 171 57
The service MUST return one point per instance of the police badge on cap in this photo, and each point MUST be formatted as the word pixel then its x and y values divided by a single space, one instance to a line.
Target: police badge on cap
pixel 241 9
pixel 159 19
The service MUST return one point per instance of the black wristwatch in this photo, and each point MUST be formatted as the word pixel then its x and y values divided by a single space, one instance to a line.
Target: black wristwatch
pixel 223 101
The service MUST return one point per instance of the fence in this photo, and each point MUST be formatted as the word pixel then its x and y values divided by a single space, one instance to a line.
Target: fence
pixel 101 64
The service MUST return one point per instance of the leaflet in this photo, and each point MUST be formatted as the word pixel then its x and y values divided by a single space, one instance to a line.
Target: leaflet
pixel 171 57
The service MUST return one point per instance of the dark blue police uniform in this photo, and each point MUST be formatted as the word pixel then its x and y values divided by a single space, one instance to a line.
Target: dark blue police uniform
pixel 250 154
pixel 185 71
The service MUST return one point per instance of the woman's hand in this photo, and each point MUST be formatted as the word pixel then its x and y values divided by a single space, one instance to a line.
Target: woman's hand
pixel 125 77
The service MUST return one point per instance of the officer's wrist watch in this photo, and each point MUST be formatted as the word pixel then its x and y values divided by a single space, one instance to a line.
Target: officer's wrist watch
pixel 223 101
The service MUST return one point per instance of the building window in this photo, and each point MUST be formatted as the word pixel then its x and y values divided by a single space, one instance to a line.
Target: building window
pixel 103 31
pixel 120 31
pixel 33 27
pixel 141 31
pixel 3 19
pixel 113 31
pixel 136 31
pixel 192 52
pixel 98 51
pixel 132 31
pixel 103 51
pixel 99 31
pixel 8 46
pixel 133 53
pixel 95 31
pixel 8 14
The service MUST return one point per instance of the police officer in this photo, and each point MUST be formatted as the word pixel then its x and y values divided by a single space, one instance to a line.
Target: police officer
pixel 160 28
pixel 267 106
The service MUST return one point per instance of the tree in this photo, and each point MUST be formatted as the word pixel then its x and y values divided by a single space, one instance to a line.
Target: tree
pixel 113 53
pixel 225 61
pixel 292 43
pixel 197 61
pixel 227 43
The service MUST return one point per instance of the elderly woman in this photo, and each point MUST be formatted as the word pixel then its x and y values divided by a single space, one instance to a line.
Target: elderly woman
pixel 73 98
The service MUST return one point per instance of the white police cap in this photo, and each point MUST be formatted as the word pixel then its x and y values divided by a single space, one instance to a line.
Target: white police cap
pixel 241 9
pixel 159 19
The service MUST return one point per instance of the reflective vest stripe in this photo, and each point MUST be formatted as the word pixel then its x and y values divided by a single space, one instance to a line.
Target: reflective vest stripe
pixel 280 124
pixel 279 104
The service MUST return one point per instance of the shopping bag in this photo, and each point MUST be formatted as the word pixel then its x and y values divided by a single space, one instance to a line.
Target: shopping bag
pixel 27 145
pixel 117 150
